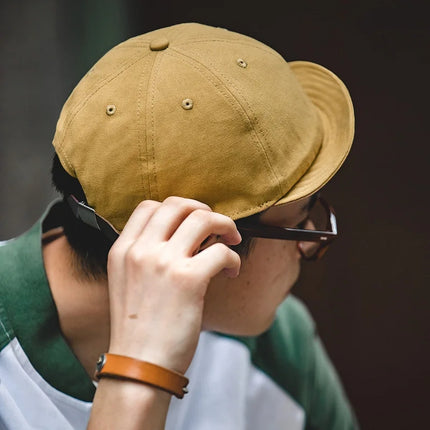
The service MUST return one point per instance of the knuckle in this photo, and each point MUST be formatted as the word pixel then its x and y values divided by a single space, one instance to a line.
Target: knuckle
pixel 221 249
pixel 161 263
pixel 178 202
pixel 115 252
pixel 173 200
pixel 212 221
pixel 147 205
pixel 224 220
pixel 155 260
pixel 200 216
pixel 203 206
pixel 134 257
pixel 185 203
pixel 229 222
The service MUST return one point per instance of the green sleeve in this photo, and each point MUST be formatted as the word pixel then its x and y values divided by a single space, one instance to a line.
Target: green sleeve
pixel 327 405
pixel 292 354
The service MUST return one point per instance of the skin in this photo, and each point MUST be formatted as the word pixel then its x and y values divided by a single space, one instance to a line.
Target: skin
pixel 246 305
pixel 161 292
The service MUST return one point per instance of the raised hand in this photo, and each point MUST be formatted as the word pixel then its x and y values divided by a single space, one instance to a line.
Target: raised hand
pixel 158 278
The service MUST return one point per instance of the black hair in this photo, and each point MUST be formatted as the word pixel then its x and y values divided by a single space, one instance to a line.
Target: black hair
pixel 90 247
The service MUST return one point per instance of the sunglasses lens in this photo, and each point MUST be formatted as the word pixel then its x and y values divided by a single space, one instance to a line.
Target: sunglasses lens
pixel 318 217
pixel 318 220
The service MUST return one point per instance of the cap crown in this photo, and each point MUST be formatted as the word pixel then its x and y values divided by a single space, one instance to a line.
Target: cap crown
pixel 193 111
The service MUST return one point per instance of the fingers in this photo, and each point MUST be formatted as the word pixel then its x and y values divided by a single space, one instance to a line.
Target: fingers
pixel 218 257
pixel 198 226
pixel 177 227
pixel 170 214
pixel 158 220
pixel 138 220
pixel 184 223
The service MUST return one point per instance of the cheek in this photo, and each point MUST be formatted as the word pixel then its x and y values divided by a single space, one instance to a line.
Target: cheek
pixel 278 257
pixel 282 267
pixel 246 305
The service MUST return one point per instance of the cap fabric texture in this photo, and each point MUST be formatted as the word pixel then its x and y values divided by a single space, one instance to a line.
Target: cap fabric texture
pixel 205 113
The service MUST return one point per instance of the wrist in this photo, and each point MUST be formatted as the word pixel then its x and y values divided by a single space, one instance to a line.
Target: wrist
pixel 128 368
pixel 165 355
pixel 131 391
pixel 126 404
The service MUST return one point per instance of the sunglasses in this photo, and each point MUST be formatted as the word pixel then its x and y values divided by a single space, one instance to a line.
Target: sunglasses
pixel 313 235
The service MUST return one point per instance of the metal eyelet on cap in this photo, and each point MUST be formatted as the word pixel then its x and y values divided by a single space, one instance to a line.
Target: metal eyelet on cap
pixel 241 63
pixel 110 109
pixel 187 104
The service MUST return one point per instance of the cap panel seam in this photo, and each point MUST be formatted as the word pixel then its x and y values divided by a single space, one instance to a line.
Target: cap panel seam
pixel 125 66
pixel 226 79
pixel 252 210
pixel 151 142
pixel 263 132
pixel 141 134
pixel 249 44
pixel 242 111
pixel 257 127
pixel 267 50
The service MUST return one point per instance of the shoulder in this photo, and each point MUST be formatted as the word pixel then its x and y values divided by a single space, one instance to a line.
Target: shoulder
pixel 6 279
pixel 286 351
pixel 292 354
pixel 294 319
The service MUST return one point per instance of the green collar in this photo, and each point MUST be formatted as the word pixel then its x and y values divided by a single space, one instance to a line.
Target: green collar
pixel 31 312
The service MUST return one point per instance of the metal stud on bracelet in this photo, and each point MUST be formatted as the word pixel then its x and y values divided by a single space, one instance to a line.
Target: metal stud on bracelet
pixel 122 367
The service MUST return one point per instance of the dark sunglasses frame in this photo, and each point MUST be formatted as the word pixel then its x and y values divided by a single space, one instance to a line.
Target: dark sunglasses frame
pixel 251 225
pixel 90 217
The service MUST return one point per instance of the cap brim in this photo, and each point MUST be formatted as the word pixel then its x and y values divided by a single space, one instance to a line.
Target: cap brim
pixel 333 102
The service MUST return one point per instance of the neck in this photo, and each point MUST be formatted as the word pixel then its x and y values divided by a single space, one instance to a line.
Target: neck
pixel 82 304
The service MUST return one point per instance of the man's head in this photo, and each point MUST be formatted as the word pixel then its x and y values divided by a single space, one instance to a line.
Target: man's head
pixel 204 113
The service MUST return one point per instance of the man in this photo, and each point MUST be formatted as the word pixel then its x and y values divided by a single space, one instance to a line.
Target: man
pixel 190 160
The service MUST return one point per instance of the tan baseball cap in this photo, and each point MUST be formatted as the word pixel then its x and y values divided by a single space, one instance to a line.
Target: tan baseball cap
pixel 205 113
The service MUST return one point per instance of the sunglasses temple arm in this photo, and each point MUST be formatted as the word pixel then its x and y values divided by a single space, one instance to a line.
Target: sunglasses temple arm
pixel 89 217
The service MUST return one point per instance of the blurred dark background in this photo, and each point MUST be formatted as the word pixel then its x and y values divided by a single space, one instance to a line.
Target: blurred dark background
pixel 368 296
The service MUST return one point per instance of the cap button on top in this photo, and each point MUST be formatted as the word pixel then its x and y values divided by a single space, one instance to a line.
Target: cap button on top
pixel 159 44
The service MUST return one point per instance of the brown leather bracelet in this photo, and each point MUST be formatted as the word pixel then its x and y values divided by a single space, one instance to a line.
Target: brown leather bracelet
pixel 122 367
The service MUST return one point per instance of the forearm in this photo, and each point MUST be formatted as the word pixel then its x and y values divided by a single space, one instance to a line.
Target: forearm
pixel 157 284
pixel 126 405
